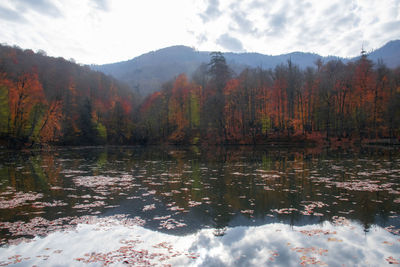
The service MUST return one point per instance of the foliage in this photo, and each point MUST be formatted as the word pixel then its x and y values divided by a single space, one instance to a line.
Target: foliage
pixel 47 100
pixel 353 101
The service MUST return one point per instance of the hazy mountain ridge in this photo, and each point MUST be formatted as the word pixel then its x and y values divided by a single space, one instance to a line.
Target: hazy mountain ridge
pixel 147 72
pixel 389 53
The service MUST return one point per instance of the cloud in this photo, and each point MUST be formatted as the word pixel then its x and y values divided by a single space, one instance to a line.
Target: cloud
pixel 44 7
pixel 277 24
pixel 278 21
pixel 11 15
pixel 264 26
pixel 245 26
pixel 351 20
pixel 211 12
pixel 102 5
pixel 392 26
pixel 201 38
pixel 230 43
pixel 257 4
pixel 277 27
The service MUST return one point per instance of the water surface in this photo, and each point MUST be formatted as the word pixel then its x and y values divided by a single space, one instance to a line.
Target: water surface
pixel 190 206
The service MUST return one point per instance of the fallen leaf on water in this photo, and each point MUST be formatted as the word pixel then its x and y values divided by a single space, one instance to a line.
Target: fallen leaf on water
pixel 392 260
pixel 333 239
pixel 387 243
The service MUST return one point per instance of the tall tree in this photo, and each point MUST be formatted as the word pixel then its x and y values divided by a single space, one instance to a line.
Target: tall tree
pixel 364 84
pixel 220 74
pixel 25 99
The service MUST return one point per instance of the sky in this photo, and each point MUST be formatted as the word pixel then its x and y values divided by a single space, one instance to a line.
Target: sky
pixel 106 31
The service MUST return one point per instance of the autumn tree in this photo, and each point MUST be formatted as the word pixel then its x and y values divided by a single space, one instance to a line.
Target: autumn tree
pixel 50 126
pixel 278 108
pixel 381 96
pixel 232 113
pixel 45 101
pixel 25 100
pixel 309 99
pixel 363 96
pixel 153 117
pixel 213 110
pixel 392 111
pixel 5 84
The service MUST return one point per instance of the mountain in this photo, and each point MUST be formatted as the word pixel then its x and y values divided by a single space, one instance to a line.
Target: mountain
pixel 389 53
pixel 147 73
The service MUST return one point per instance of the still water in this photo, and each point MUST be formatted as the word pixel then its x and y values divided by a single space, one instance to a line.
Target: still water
pixel 221 206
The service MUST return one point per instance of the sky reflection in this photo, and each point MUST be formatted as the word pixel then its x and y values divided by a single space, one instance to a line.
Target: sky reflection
pixel 111 241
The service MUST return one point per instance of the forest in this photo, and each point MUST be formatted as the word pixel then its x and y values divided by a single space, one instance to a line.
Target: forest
pixel 53 101
pixel 45 100
pixel 333 101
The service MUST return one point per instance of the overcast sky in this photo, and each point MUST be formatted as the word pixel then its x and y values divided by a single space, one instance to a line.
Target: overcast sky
pixel 104 31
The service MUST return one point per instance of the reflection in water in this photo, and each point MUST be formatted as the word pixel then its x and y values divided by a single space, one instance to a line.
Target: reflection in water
pixel 232 200
pixel 277 244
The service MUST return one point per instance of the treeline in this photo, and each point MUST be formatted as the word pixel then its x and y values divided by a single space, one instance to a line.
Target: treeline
pixel 354 101
pixel 45 100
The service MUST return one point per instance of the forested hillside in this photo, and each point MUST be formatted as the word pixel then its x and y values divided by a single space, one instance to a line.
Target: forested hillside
pixel 147 73
pixel 51 100
pixel 45 100
pixel 352 101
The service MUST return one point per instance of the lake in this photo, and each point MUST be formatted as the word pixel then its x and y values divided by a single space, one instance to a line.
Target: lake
pixel 190 206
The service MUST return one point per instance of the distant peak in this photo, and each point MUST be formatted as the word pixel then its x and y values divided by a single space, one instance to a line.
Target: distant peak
pixel 392 43
pixel 176 48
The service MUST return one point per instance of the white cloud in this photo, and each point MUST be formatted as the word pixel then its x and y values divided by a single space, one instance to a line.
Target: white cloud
pixel 230 43
pixel 328 28
pixel 212 11
pixel 102 31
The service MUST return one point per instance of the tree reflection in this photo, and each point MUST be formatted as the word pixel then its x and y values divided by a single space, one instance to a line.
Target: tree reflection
pixel 196 187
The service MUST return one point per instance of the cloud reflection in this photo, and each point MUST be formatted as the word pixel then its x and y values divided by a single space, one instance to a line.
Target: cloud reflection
pixel 271 244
